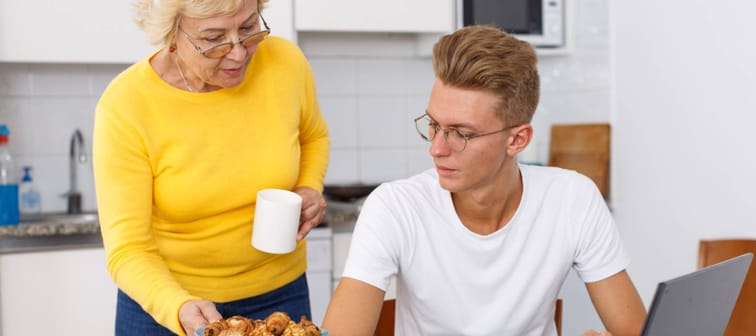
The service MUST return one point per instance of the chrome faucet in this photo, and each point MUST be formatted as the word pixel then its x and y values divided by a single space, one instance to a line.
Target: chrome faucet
pixel 73 195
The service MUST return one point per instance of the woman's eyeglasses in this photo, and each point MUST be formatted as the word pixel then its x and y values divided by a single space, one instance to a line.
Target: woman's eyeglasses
pixel 220 50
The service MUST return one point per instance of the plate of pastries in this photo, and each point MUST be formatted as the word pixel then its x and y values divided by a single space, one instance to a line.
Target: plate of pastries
pixel 276 324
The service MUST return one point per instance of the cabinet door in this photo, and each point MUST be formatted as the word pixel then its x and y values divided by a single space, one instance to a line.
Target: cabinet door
pixel 280 17
pixel 319 264
pixel 413 16
pixel 76 31
pixel 90 31
pixel 57 293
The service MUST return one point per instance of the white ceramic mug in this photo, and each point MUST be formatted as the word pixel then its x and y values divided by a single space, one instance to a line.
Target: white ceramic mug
pixel 276 221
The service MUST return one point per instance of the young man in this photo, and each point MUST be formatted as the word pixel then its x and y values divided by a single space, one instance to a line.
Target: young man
pixel 481 245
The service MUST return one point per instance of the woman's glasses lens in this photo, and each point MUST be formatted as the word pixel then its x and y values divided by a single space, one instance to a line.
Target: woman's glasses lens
pixel 219 50
pixel 255 38
pixel 225 48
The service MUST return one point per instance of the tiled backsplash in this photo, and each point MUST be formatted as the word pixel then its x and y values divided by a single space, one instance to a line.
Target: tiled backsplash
pixel 370 88
pixel 43 104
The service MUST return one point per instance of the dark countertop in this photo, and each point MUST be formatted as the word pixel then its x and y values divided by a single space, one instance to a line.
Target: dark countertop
pixel 10 245
pixel 55 232
pixel 51 233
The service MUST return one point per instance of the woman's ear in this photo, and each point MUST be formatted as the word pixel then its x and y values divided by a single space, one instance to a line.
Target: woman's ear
pixel 520 139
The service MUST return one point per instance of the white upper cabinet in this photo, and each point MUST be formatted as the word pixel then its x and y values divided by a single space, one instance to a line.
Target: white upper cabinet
pixel 78 31
pixel 279 16
pixel 90 31
pixel 404 16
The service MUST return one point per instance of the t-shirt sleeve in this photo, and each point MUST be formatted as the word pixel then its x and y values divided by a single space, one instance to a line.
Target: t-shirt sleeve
pixel 599 250
pixel 373 253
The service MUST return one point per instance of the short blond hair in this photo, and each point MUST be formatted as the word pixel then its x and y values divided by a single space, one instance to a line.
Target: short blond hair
pixel 158 18
pixel 486 58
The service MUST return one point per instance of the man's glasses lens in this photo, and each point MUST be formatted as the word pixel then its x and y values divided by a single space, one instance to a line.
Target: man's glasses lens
pixel 423 127
pixel 428 130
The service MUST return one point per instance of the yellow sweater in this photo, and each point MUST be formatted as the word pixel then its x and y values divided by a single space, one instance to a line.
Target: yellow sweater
pixel 177 175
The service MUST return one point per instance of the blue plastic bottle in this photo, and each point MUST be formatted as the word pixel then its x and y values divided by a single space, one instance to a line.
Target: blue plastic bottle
pixel 8 182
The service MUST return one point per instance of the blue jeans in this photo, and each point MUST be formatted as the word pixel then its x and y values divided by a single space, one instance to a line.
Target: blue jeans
pixel 293 298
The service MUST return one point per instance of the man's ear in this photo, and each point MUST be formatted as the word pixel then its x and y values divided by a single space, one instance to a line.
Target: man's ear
pixel 520 138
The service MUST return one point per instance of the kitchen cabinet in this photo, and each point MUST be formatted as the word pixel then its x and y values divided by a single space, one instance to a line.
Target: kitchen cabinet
pixel 319 269
pixel 279 14
pixel 77 31
pixel 90 31
pixel 56 293
pixel 406 16
pixel 71 292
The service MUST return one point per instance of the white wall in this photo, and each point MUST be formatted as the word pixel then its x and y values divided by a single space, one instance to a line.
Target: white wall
pixel 685 110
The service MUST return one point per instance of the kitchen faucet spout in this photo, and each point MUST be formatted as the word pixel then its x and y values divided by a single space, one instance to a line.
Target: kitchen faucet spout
pixel 73 195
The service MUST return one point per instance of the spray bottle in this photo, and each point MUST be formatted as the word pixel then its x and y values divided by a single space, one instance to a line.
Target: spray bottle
pixel 8 183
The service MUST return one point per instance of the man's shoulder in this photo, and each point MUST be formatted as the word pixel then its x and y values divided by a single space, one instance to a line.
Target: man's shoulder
pixel 423 182
pixel 421 187
pixel 554 176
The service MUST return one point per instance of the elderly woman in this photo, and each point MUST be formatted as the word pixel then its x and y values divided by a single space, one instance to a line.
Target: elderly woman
pixel 183 141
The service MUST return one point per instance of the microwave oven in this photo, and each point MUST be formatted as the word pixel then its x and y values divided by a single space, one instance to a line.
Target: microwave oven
pixel 540 22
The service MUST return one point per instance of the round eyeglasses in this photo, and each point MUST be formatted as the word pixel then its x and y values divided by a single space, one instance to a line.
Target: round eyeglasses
pixel 455 139
pixel 220 50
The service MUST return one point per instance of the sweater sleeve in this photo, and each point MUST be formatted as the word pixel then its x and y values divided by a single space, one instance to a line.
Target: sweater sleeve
pixel 313 137
pixel 124 180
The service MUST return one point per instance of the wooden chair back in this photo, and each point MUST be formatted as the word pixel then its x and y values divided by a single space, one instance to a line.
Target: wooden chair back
pixel 558 316
pixel 743 319
pixel 386 320
pixel 583 148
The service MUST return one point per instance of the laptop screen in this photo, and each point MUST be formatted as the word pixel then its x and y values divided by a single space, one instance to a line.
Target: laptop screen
pixel 698 303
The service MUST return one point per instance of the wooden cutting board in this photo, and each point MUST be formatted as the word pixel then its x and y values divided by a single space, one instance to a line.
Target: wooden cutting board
pixel 584 148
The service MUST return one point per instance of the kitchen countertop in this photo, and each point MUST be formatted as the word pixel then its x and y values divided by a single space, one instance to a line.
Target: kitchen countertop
pixel 63 234
pixel 49 235
pixel 10 245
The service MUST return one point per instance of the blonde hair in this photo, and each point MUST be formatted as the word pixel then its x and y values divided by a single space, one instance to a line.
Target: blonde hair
pixel 486 58
pixel 158 18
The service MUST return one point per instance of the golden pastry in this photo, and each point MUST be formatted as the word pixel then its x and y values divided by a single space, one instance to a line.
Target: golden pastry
pixel 241 323
pixel 215 328
pixel 276 324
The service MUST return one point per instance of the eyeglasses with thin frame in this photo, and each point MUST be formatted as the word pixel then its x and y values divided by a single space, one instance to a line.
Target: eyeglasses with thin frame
pixel 220 50
pixel 455 139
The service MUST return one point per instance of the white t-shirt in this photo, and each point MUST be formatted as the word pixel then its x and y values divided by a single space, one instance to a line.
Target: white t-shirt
pixel 452 281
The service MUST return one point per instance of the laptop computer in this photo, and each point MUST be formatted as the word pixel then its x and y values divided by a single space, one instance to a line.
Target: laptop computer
pixel 698 303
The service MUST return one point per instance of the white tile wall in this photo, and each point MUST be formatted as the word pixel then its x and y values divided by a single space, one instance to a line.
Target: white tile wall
pixel 370 86
pixel 43 104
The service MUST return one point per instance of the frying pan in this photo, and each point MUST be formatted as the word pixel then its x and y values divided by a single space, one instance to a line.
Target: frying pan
pixel 348 192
